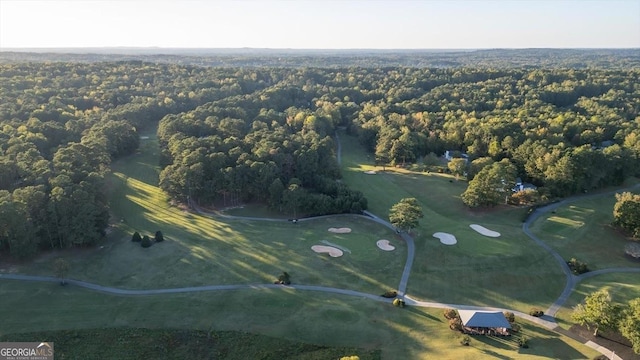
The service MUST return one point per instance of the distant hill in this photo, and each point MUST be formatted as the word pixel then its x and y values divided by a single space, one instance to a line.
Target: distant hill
pixel 259 57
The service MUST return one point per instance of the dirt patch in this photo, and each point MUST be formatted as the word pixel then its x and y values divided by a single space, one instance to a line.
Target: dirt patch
pixel 340 230
pixel 612 341
pixel 333 252
pixel 384 245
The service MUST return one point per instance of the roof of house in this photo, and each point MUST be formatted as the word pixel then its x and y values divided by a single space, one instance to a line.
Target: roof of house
pixel 487 319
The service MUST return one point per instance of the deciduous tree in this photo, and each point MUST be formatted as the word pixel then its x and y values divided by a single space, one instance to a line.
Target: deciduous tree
pixel 629 325
pixel 597 312
pixel 405 215
pixel 626 212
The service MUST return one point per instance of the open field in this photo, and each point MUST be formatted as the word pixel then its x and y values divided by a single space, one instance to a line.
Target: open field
pixel 583 230
pixel 507 271
pixel 622 287
pixel 136 343
pixel 310 317
pixel 199 250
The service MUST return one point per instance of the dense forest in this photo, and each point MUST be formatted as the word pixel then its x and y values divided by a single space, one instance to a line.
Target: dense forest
pixel 231 135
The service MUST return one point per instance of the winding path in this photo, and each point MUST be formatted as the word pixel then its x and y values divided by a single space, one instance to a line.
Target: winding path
pixel 547 321
pixel 571 279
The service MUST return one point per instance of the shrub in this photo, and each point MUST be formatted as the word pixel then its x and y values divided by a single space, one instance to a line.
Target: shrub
pixel 284 279
pixel 455 324
pixel 398 302
pixel 146 242
pixel 577 267
pixel 136 237
pixel 536 312
pixel 159 236
pixel 515 328
pixel 450 314
pixel 390 294
pixel 465 341
pixel 511 318
pixel 523 342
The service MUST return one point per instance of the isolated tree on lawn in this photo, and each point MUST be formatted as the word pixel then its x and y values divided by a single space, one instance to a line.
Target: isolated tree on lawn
pixel 159 237
pixel 136 237
pixel 597 312
pixel 61 268
pixel 405 215
pixel 629 325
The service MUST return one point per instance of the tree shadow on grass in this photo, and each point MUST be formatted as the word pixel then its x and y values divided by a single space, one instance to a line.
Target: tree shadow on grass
pixel 420 312
pixel 506 343
pixel 495 355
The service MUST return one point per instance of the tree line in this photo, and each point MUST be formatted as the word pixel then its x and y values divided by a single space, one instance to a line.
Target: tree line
pixel 232 135
pixel 61 125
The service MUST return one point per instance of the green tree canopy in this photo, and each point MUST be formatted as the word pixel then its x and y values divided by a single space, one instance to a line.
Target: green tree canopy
pixel 405 215
pixel 630 324
pixel 626 212
pixel 597 312
pixel 492 185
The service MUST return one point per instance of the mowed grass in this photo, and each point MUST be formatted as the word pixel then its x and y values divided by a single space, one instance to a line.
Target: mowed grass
pixel 200 250
pixel 308 317
pixel 621 286
pixel 509 271
pixel 582 230
pixel 137 343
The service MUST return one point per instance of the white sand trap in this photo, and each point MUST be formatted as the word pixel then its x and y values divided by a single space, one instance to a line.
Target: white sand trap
pixel 340 230
pixel 333 252
pixel 445 238
pixel 384 245
pixel 484 231
pixel 370 172
pixel 144 138
pixel 344 249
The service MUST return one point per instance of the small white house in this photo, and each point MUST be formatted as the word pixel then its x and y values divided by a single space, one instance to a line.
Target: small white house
pixel 451 154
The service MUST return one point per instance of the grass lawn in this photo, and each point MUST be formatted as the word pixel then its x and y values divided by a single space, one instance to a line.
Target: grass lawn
pixel 133 343
pixel 308 317
pixel 583 230
pixel 505 272
pixel 622 287
pixel 199 250
pixel 508 271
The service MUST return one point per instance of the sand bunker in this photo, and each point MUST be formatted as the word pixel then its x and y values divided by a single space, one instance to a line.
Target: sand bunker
pixel 340 230
pixel 333 252
pixel 344 249
pixel 144 138
pixel 384 245
pixel 445 238
pixel 370 172
pixel 484 231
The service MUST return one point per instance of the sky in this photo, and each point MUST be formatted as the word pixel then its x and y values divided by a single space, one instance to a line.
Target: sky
pixel 321 24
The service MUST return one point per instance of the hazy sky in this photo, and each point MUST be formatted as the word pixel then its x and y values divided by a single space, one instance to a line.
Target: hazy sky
pixel 335 24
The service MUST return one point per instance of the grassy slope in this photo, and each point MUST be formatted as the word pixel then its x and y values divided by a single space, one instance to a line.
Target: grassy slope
pixel 504 272
pixel 583 230
pixel 182 344
pixel 200 250
pixel 316 318
pixel 622 287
